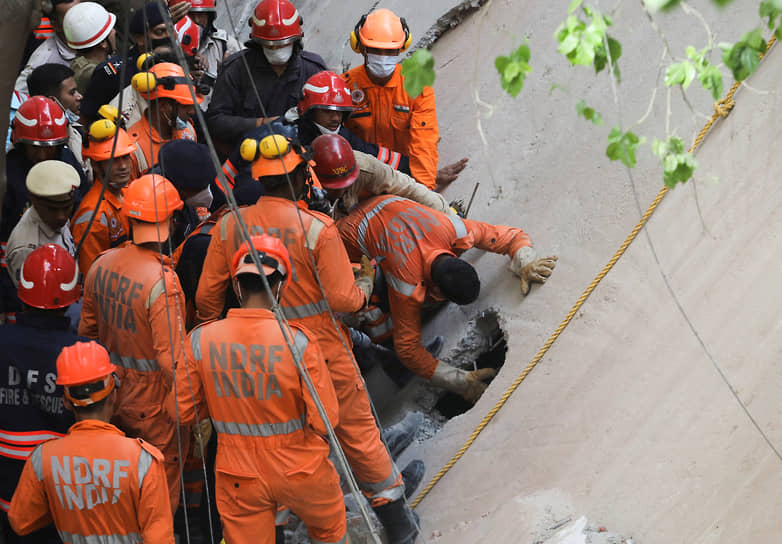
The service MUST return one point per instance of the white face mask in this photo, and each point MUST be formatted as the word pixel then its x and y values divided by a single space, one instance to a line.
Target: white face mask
pixel 324 130
pixel 277 57
pixel 202 199
pixel 72 117
pixel 381 66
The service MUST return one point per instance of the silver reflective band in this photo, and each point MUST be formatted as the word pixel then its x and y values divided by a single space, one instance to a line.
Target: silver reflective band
pixel 389 483
pixel 364 225
pixel 313 233
pixel 458 226
pixel 260 429
pixel 400 286
pixel 144 365
pixel 300 342
pixel 36 459
pixel 305 310
pixel 380 330
pixel 195 343
pixel 130 538
pixel 158 289
pixel 85 217
pixel 144 462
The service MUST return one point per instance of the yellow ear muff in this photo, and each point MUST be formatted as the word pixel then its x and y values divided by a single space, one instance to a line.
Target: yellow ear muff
pixel 141 60
pixel 249 149
pixel 408 41
pixel 144 82
pixel 273 146
pixel 107 111
pixel 354 42
pixel 102 129
pixel 408 36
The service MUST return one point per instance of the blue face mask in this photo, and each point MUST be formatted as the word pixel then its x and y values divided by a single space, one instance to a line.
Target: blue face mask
pixel 72 117
pixel 181 124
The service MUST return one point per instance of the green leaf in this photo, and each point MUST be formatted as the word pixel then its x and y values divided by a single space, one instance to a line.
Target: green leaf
pixel 589 113
pixel 583 41
pixel 601 59
pixel 675 145
pixel 574 6
pixel 680 73
pixel 711 79
pixel 418 72
pixel 659 148
pixel 678 168
pixel 514 69
pixel 743 57
pixel 622 146
pixel 771 9
pixel 660 5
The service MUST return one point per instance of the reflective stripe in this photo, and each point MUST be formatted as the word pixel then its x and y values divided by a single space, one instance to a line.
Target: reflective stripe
pixel 300 342
pixel 281 518
pixel 373 314
pixel 73 538
pixel 305 310
pixel 31 437
pixel 144 462
pixel 195 343
pixel 5 505
pixel 14 452
pixel 144 365
pixel 382 154
pixel 394 481
pixel 83 218
pixel 36 460
pixel 379 330
pixel 260 429
pixel 314 232
pixel 364 225
pixel 399 286
pixel 394 160
pixel 458 226
pixel 158 289
pixel 224 227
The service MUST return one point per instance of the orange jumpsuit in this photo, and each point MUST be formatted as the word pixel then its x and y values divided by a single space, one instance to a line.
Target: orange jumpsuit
pixel 304 305
pixel 149 142
pixel 270 445
pixel 96 485
pixel 387 116
pixel 405 237
pixel 109 229
pixel 135 308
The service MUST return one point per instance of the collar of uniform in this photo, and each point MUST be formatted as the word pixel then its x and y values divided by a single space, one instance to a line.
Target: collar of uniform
pixel 43 320
pixel 91 425
pixel 253 313
pixel 65 52
pixel 157 255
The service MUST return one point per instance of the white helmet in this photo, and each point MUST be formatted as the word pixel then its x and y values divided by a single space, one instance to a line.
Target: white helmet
pixel 87 24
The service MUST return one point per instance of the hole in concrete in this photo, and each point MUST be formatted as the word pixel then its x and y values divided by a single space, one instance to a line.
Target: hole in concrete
pixel 484 346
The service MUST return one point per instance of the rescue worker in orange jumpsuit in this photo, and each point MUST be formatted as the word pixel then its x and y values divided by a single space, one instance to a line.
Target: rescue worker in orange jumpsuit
pixel 95 484
pixel 171 106
pixel 385 114
pixel 109 228
pixel 318 261
pixel 416 248
pixel 270 452
pixel 133 305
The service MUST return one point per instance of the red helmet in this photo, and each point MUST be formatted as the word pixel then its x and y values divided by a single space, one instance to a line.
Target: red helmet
pixel 150 200
pixel 325 90
pixel 335 162
pixel 85 363
pixel 276 22
pixel 272 253
pixel 40 121
pixel 203 5
pixel 188 34
pixel 49 278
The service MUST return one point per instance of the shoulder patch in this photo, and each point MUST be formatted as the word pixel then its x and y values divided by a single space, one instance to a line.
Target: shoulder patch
pixel 152 450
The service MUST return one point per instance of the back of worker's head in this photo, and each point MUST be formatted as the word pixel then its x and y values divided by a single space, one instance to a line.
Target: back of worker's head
pixel 275 262
pixel 457 279
pixel 149 203
pixel 276 161
pixel 48 279
pixel 87 373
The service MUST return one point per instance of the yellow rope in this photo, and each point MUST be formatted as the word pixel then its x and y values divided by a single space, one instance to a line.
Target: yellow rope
pixel 721 109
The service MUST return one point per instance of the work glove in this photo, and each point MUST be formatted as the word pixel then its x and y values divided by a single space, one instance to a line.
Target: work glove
pixel 537 271
pixel 365 280
pixel 469 384
pixel 202 432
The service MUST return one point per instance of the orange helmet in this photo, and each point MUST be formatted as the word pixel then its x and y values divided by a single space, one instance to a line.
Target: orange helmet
pixel 275 22
pixel 274 155
pixel 49 278
pixel 272 254
pixel 381 29
pixel 89 365
pixel 150 200
pixel 165 80
pixel 100 141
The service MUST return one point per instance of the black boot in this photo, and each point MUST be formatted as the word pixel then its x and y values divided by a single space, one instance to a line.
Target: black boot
pixel 412 475
pixel 401 434
pixel 399 522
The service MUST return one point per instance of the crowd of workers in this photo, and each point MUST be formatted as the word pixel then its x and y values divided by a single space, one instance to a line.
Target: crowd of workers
pixel 186 322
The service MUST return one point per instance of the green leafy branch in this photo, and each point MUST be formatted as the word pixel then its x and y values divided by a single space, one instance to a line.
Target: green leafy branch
pixel 418 72
pixel 683 73
pixel 514 69
pixel 743 57
pixel 666 5
pixel 678 165
pixel 589 113
pixel 584 41
pixel 622 146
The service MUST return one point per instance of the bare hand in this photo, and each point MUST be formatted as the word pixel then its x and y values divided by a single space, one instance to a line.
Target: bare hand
pixel 179 10
pixel 537 271
pixel 448 174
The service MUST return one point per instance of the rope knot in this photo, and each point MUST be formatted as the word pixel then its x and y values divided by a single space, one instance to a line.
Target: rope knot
pixel 724 106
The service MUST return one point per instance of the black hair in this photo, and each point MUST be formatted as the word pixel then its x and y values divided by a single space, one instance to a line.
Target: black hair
pixel 47 79
pixel 253 283
pixel 457 279
pixel 274 182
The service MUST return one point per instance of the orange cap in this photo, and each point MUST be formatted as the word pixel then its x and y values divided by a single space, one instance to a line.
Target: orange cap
pixel 382 29
pixel 100 141
pixel 150 200
pixel 165 80
pixel 85 363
